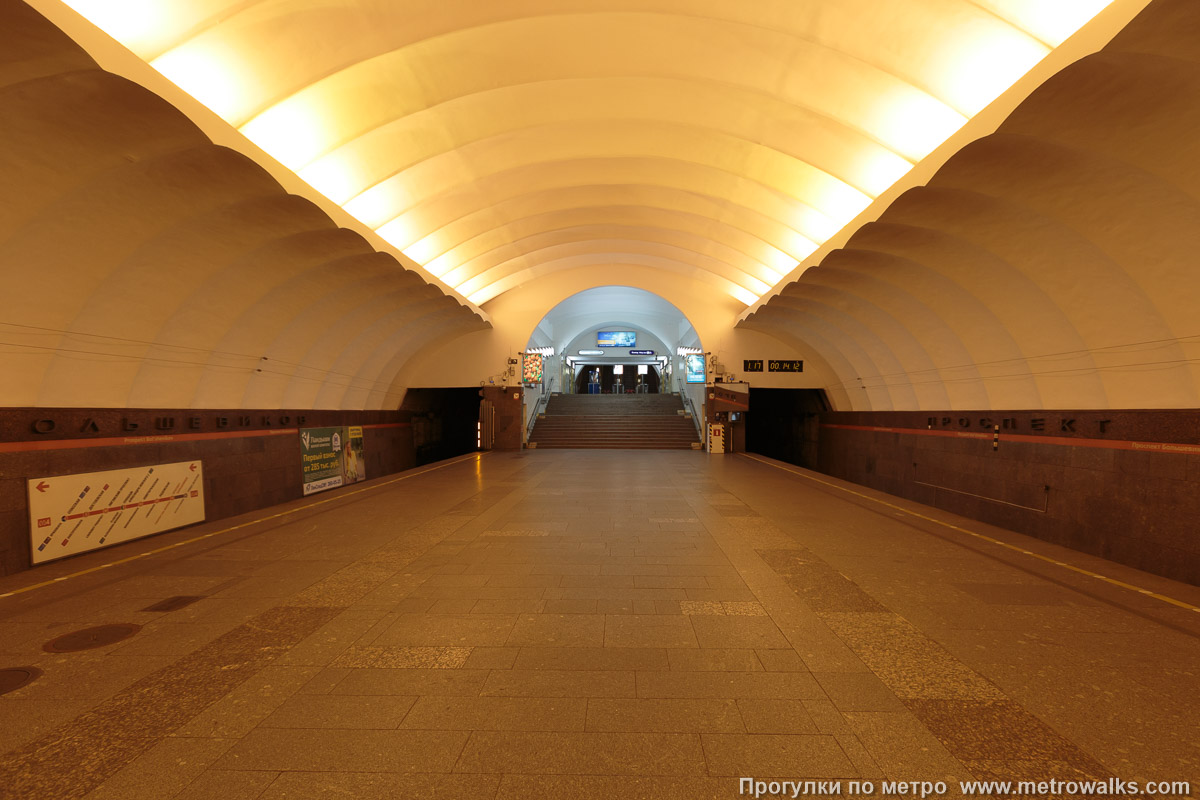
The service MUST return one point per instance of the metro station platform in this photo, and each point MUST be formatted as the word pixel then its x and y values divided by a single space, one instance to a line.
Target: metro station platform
pixel 592 624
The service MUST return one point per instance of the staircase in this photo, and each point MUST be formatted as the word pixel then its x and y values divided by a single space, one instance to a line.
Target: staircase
pixel 645 421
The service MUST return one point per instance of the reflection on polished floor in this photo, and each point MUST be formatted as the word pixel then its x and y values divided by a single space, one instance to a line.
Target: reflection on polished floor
pixel 591 624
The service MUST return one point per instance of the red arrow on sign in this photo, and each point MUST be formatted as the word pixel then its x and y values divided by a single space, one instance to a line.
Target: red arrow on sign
pixel 42 486
pixel 192 467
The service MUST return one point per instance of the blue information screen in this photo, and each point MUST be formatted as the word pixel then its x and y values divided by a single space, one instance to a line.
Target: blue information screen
pixel 616 339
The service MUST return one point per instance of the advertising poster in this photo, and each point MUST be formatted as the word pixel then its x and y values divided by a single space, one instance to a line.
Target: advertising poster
pixel 616 338
pixel 331 457
pixel 531 371
pixel 694 368
pixel 71 514
pixel 354 464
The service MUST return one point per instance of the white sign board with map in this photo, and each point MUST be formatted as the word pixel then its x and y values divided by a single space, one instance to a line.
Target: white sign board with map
pixel 71 514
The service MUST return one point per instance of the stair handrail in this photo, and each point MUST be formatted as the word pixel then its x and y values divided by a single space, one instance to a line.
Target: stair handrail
pixel 691 408
pixel 538 407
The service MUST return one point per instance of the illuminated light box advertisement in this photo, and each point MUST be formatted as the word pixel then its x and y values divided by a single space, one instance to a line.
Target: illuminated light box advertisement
pixel 694 368
pixel 643 369
pixel 616 339
pixel 354 459
pixel 71 514
pixel 331 457
pixel 531 370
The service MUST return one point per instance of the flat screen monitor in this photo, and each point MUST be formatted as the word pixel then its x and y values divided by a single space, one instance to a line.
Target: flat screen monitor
pixel 694 367
pixel 616 339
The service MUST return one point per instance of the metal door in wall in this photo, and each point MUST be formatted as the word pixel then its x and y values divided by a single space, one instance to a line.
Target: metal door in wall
pixel 487 425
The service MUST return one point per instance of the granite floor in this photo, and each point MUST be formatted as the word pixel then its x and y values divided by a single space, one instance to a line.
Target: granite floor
pixel 592 624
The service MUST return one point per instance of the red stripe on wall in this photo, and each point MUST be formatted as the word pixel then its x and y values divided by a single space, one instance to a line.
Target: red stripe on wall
pixel 1067 441
pixel 119 441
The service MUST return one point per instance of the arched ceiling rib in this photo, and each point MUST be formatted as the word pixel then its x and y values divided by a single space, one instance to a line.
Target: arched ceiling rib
pixel 744 212
pixel 457 127
pixel 145 266
pixel 1051 264
pixel 349 166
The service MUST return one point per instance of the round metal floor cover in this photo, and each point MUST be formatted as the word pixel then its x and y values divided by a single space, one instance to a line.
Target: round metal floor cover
pixel 14 678
pixel 89 638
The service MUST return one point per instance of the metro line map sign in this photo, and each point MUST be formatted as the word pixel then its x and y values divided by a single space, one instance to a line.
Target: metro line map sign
pixel 71 514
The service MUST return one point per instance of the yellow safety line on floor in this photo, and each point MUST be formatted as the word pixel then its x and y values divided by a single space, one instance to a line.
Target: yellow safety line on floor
pixel 290 511
pixel 1006 545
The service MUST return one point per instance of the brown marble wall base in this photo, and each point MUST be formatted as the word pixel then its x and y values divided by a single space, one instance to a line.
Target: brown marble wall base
pixel 1092 481
pixel 243 469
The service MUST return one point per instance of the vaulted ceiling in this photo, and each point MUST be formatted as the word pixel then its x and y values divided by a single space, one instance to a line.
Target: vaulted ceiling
pixel 496 142
pixel 320 203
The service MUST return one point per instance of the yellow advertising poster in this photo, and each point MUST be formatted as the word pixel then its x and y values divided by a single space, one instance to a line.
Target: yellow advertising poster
pixel 354 464
pixel 531 371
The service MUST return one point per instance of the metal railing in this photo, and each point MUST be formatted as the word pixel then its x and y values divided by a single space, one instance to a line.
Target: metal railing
pixel 691 409
pixel 538 407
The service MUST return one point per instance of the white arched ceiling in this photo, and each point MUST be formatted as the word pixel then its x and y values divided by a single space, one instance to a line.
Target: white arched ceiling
pixel 609 305
pixel 524 151
pixel 145 266
pixel 1051 264
pixel 495 143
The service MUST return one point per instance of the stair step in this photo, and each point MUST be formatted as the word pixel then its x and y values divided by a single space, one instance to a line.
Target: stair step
pixel 615 446
pixel 642 421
